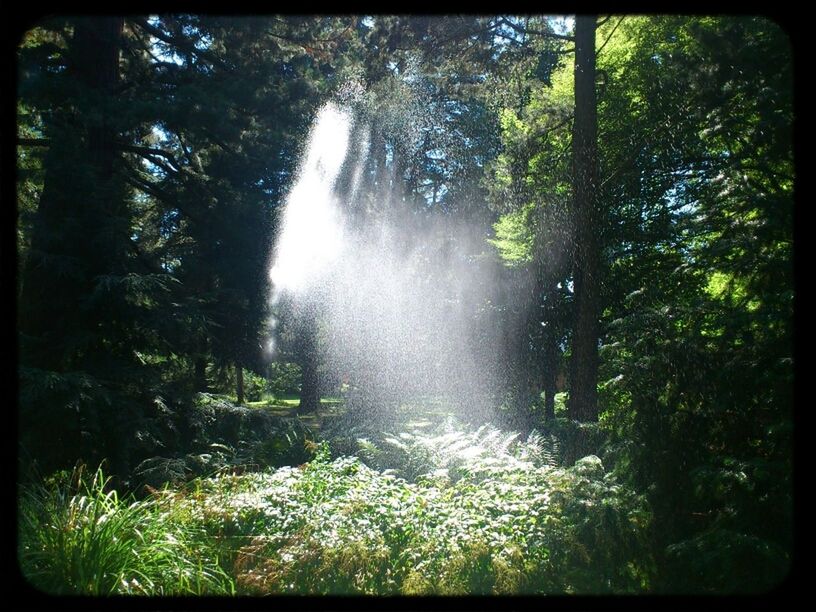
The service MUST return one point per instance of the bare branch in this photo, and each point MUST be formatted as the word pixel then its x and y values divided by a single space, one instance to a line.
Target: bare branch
pixel 598 52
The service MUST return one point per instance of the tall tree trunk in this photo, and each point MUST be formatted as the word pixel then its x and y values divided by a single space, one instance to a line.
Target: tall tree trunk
pixel 239 383
pixel 310 383
pixel 79 235
pixel 550 353
pixel 583 402
pixel 200 375
pixel 49 297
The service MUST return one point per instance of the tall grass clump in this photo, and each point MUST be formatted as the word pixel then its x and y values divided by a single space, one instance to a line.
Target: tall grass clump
pixel 77 536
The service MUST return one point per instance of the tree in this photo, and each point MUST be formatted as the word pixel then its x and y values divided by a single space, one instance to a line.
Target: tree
pixel 82 146
pixel 77 279
pixel 697 362
pixel 694 239
pixel 583 404
pixel 163 145
pixel 531 186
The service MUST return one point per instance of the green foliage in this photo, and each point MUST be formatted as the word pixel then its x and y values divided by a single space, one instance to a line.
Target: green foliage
pixel 176 145
pixel 255 386
pixel 284 378
pixel 220 436
pixel 514 238
pixel 698 353
pixel 510 524
pixel 177 167
pixel 95 543
pixel 502 526
pixel 223 380
pixel 453 453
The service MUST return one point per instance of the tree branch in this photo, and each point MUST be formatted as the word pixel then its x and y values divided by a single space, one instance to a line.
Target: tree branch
pixel 33 142
pixel 143 258
pixel 544 33
pixel 148 153
pixel 180 43
pixel 545 132
pixel 598 52
pixel 152 190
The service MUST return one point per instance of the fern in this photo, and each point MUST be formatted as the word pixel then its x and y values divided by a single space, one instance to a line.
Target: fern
pixel 540 449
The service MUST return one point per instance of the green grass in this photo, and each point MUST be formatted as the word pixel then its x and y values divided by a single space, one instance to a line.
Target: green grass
pixel 93 542
pixel 292 401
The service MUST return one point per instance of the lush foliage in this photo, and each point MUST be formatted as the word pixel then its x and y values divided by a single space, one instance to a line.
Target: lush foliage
pixel 503 521
pixel 284 378
pixel 696 359
pixel 153 155
pixel 214 435
pixel 77 537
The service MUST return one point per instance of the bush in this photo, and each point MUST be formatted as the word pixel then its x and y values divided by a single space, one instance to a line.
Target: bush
pixel 255 386
pixel 448 449
pixel 284 378
pixel 224 381
pixel 221 435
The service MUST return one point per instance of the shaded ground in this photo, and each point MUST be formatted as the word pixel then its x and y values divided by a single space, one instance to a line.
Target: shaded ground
pixel 330 408
pixel 412 414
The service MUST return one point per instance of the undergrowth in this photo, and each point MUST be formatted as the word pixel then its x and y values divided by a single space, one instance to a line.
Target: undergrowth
pixel 446 512
pixel 77 537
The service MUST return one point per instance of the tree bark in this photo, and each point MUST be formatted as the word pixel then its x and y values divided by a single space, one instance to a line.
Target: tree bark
pixel 79 234
pixel 49 297
pixel 583 401
pixel 200 375
pixel 310 383
pixel 239 383
pixel 550 354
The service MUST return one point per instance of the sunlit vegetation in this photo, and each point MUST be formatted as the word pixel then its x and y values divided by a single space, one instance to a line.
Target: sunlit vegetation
pixel 405 305
pixel 456 513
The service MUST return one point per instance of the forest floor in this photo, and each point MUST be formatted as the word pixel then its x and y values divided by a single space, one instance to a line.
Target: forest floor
pixel 416 414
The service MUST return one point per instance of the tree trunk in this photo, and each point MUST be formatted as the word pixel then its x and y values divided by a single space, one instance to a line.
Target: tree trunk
pixel 550 354
pixel 310 383
pixel 239 383
pixel 79 234
pixel 583 401
pixel 49 296
pixel 200 375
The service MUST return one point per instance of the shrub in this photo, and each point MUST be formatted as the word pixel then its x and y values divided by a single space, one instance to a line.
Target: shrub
pixel 486 513
pixel 449 450
pixel 222 436
pixel 255 386
pixel 284 378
